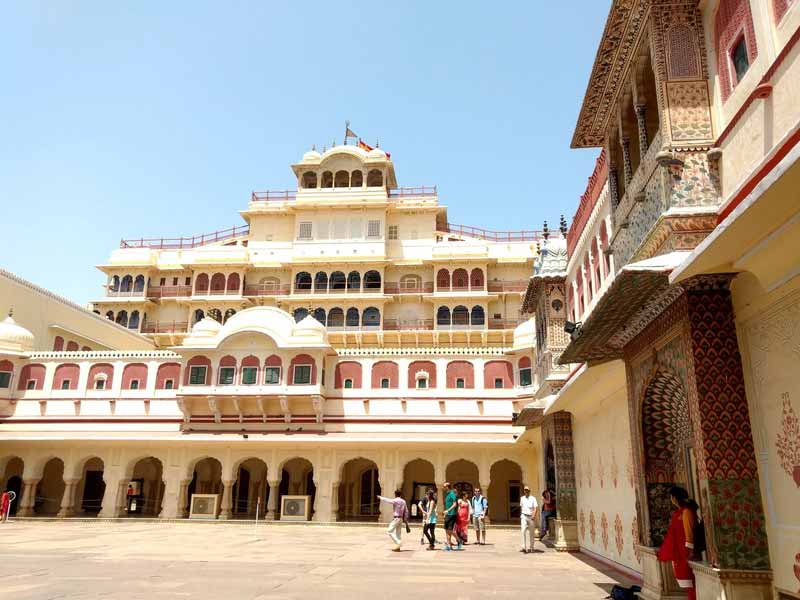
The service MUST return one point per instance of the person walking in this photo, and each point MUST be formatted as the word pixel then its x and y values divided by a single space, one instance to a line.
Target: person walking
pixel 428 508
pixel 548 510
pixel 480 509
pixel 528 507
pixel 679 543
pixel 399 517
pixel 5 506
pixel 450 508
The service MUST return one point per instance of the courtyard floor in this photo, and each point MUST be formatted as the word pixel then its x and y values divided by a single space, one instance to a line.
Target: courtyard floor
pixel 64 559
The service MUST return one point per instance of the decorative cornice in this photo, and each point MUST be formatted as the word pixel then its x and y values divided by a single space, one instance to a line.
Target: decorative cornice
pixel 407 351
pixel 612 62
pixel 104 355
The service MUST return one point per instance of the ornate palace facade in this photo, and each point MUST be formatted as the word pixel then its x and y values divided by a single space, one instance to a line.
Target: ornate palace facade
pixel 345 339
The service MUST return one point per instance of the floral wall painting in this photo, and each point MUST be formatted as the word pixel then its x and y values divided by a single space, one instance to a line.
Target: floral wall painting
pixel 788 441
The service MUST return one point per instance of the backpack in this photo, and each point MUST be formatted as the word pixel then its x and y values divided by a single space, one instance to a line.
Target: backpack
pixel 622 593
pixel 699 538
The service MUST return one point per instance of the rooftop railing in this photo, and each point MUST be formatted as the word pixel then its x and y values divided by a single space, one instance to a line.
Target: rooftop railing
pixel 169 291
pixel 165 327
pixel 507 286
pixel 411 192
pixel 274 196
pixel 521 235
pixel 194 241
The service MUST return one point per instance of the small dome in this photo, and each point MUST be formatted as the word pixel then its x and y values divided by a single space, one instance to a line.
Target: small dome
pixel 308 324
pixel 13 337
pixel 376 153
pixel 207 327
pixel 311 156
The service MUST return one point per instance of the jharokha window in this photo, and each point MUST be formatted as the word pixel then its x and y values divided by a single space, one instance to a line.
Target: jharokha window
pixel 272 375
pixel 249 375
pixel 740 59
pixel 227 375
pixel 197 375
pixel 302 374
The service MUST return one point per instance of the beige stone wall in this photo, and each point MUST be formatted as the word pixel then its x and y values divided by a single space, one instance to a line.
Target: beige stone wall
pixel 604 479
pixel 47 315
pixel 769 339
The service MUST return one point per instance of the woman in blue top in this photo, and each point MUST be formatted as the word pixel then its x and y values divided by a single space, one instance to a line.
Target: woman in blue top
pixel 429 518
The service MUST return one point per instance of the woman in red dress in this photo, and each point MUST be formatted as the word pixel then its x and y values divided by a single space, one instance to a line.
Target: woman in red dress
pixel 462 518
pixel 678 546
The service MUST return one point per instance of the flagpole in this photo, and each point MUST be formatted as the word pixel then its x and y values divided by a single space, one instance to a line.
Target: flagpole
pixel 346 131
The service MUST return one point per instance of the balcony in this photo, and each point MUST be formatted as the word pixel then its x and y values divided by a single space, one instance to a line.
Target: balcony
pixel 274 196
pixel 421 191
pixel 493 236
pixel 345 291
pixel 181 243
pixel 499 287
pixel 169 291
pixel 354 328
pixel 267 289
pixel 504 323
pixel 165 327
pixel 407 324
pixel 217 292
pixel 394 287
pixel 110 293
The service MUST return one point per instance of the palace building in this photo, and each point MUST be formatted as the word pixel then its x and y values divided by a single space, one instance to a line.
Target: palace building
pixel 346 339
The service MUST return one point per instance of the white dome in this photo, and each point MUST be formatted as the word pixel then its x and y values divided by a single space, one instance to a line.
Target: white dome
pixel 376 153
pixel 311 156
pixel 308 323
pixel 207 327
pixel 13 337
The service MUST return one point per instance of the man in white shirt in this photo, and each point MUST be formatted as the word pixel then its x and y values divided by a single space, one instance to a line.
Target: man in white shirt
pixel 528 509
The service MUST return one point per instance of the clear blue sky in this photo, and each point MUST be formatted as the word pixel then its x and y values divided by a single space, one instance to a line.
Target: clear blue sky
pixel 128 119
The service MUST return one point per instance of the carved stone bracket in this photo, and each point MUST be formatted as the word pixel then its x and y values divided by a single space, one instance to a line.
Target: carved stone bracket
pixel 318 402
pixel 285 408
pixel 212 406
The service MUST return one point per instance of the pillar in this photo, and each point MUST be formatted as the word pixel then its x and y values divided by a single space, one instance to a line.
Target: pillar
pixel 227 504
pixel 323 502
pixel 28 497
pixel 183 499
pixel 726 457
pixel 171 501
pixel 388 486
pixel 557 430
pixel 641 126
pixel 613 189
pixel 335 501
pixel 112 480
pixel 627 167
pixel 272 500
pixel 68 499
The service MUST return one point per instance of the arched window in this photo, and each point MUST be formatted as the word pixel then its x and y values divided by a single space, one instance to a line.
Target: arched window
pixel 198 371
pixel 138 283
pixel 321 282
pixel 351 319
pixel 115 283
pixel 411 282
pixel 476 279
pixel 133 323
pixel 347 371
pixel 134 376
pixel 421 369
pixel 66 377
pixel 72 346
pixel 356 179
pixel 319 315
pixel 215 314
pixel 478 316
pixel 303 370
pixel 199 315
pixel 233 282
pixel 588 270
pixel 104 373
pixel 443 316
pixel 385 374
pixel 443 279
pixel 497 374
pixel 374 178
pixel 300 314
pixel 217 283
pixel 167 376
pixel 342 179
pixel 336 317
pixel 31 377
pixel 460 279
pixel 604 248
pixel 460 315
pixel 122 318
pixel 354 280
pixel 228 314
pixel 327 179
pixel 338 281
pixel 371 317
pixel 309 180
pixel 110 315
pixel 372 280
pixel 460 370
pixel 126 284
pixel 58 344
pixel 272 370
pixel 525 374
pixel 302 281
pixel 735 43
pixel 201 283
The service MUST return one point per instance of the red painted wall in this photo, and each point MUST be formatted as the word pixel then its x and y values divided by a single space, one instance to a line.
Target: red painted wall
pixel 199 361
pixel 497 368
pixel 460 369
pixel 168 371
pixel 421 365
pixel 35 372
pixel 96 370
pixel 68 371
pixel 134 371
pixel 385 369
pixel 303 359
pixel 348 370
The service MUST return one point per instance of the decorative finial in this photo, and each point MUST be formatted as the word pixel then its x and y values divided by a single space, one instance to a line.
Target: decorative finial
pixel 324 148
pixel 377 142
pixel 314 147
pixel 563 226
pixel 333 143
pixel 545 231
pixel 11 312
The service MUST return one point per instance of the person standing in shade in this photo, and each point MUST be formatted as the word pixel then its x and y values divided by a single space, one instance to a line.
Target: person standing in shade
pixel 450 509
pixel 5 505
pixel 480 509
pixel 548 510
pixel 528 508
pixel 679 544
pixel 428 508
pixel 399 517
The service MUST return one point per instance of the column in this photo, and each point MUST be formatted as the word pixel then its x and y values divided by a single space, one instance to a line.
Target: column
pixel 388 486
pixel 323 504
pixel 171 507
pixel 641 125
pixel 68 499
pixel 112 480
pixel 613 189
pixel 627 168
pixel 227 504
pixel 272 500
pixel 335 501
pixel 727 464
pixel 122 498
pixel 557 431
pixel 28 497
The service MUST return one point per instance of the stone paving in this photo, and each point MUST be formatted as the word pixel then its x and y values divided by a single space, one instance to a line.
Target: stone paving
pixel 132 559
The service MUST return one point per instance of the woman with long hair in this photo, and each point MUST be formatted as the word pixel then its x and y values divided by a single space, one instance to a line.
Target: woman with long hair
pixel 679 543
pixel 462 519
pixel 429 518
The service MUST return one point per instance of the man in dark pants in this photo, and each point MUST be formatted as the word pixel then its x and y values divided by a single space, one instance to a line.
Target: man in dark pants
pixel 450 510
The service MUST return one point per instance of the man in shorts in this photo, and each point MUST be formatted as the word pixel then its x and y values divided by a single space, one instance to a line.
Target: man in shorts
pixel 480 509
pixel 450 510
